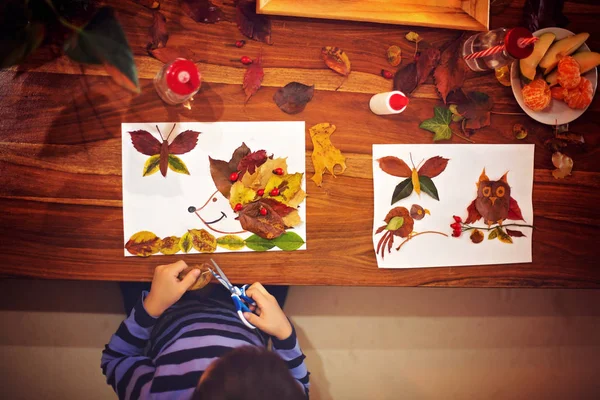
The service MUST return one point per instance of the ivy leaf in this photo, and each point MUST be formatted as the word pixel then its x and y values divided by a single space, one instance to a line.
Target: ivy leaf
pixel 252 25
pixel 450 74
pixel 267 226
pixel 185 243
pixel 514 233
pixel 427 186
pixel 336 59
pixel 439 124
pixel 102 41
pixel 395 224
pixel 143 243
pixel 176 164
pixel 289 241
pixel 258 243
pixel 157 33
pixel 201 10
pixel 170 245
pixel 203 241
pixel 472 213
pixel 253 78
pixel 168 54
pixel 293 97
pixel 231 242
pixel 514 211
pixel 325 155
pixel 394 166
pixel 152 165
pixel 402 190
pixel 434 166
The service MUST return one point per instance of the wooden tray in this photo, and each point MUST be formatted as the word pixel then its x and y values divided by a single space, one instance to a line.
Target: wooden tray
pixel 470 15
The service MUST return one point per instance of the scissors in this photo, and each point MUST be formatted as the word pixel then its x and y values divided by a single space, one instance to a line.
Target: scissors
pixel 237 294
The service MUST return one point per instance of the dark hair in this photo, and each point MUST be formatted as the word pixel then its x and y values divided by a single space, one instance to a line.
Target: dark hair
pixel 249 373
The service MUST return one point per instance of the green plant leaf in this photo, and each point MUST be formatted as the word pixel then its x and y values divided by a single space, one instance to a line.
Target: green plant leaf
pixel 102 41
pixel 185 243
pixel 16 45
pixel 176 164
pixel 493 234
pixel 428 186
pixel 395 223
pixel 402 190
pixel 152 165
pixel 439 124
pixel 231 242
pixel 257 243
pixel 289 241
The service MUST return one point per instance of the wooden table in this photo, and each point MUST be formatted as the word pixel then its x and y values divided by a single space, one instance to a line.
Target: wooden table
pixel 60 156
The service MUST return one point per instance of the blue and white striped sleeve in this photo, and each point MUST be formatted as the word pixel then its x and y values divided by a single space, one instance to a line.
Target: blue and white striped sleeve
pixel 289 350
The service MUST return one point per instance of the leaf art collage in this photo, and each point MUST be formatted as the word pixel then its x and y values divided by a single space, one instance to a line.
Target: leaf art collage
pixel 213 187
pixel 451 205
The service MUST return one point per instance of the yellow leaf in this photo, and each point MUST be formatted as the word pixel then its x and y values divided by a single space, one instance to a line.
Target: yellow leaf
pixel 336 59
pixel 297 199
pixel 563 164
pixel 413 37
pixel 170 245
pixel 231 242
pixel 240 194
pixel 176 164
pixel 292 219
pixel 185 243
pixel 325 155
pixel 143 243
pixel 265 171
pixel 152 165
pixel 289 186
pixel 503 236
pixel 203 241
pixel 415 181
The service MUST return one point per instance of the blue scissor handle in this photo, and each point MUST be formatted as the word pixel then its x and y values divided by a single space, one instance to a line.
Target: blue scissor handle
pixel 241 308
pixel 247 299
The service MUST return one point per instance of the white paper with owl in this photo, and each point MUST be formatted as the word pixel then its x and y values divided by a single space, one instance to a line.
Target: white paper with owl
pixel 452 205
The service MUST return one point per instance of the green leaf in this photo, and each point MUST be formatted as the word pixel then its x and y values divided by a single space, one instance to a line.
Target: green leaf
pixel 439 124
pixel 428 187
pixel 176 164
pixel 493 234
pixel 395 223
pixel 185 243
pixel 16 45
pixel 289 241
pixel 257 243
pixel 102 41
pixel 231 242
pixel 402 190
pixel 152 165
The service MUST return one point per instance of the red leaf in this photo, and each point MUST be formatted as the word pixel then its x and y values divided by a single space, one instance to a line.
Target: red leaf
pixel 277 207
pixel 476 110
pixel 251 161
pixel 254 26
pixel 184 142
pixel 292 98
pixel 164 158
pixel 145 143
pixel 514 211
pixel 450 74
pixel 267 226
pixel 157 33
pixel 427 61
pixel 514 233
pixel 253 78
pixel 433 167
pixel 473 214
pixel 168 54
pixel 405 79
pixel 237 156
pixel 201 10
pixel 394 166
pixel 380 229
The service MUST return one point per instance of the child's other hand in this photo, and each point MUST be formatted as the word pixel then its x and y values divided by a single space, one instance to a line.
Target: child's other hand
pixel 269 317
pixel 167 288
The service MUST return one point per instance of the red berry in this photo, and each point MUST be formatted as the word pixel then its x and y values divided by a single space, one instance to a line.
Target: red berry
pixel 234 176
pixel 456 234
pixel 263 211
pixel 457 218
pixel 278 171
pixel 246 60
pixel 240 43
pixel 387 74
pixel 260 192
pixel 274 192
pixel 455 225
pixel 238 207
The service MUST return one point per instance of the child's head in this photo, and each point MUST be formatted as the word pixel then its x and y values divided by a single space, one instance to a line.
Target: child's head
pixel 248 373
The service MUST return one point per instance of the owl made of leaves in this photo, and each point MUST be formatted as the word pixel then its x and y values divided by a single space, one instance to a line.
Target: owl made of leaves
pixel 493 199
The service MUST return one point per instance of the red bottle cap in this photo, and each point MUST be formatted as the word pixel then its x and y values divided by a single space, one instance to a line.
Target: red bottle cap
pixel 398 101
pixel 183 77
pixel 512 46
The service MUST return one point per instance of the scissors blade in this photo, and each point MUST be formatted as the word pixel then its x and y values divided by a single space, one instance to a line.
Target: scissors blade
pixel 222 277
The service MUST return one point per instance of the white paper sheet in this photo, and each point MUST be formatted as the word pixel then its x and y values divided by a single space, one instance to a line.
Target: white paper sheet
pixel 160 205
pixel 457 189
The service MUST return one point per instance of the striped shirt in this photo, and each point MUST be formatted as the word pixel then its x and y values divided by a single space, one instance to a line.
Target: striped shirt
pixel 164 358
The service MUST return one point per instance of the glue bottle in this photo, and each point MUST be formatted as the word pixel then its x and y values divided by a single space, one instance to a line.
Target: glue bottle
pixel 388 103
pixel 178 81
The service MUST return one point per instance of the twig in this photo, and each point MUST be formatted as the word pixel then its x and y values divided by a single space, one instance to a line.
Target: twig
pixel 491 229
pixel 463 137
pixel 417 234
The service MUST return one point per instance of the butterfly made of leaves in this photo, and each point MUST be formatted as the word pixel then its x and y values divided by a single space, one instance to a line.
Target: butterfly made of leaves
pixel 163 156
pixel 417 180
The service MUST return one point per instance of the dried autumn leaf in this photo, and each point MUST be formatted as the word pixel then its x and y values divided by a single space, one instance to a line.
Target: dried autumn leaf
pixel 201 10
pixel 493 234
pixel 262 175
pixel 152 165
pixel 292 219
pixel 253 78
pixel 394 55
pixel 394 166
pixel 143 243
pixel 288 185
pixel 570 138
pixel 293 97
pixel 503 75
pixel 417 212
pixel 336 59
pixel 413 37
pixel 433 166
pixel 472 213
pixel 476 236
pixel 514 211
pixel 503 237
pixel 563 164
pixel 168 54
pixel 427 61
pixel 450 74
pixel 231 242
pixel 405 79
pixel 203 241
pixel 514 233
pixel 152 4
pixel 237 156
pixel 202 280
pixel 267 226
pixel 170 245
pixel 157 33
pixel 252 25
pixel 519 131
pixel 279 208
pixel 251 161
pixel 476 110
pixel 240 194
pixel 402 190
pixel 325 155
pixel 185 243
pixel 221 170
pixel 176 164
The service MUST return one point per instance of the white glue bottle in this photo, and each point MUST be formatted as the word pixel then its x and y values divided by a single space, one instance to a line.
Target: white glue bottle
pixel 388 103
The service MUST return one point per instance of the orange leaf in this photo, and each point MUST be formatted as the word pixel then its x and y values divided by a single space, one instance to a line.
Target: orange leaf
pixel 253 78
pixel 394 166
pixel 473 214
pixel 336 59
pixel 433 167
pixel 450 74
pixel 143 243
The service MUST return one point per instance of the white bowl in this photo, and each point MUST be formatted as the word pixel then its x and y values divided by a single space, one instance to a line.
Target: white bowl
pixel 558 112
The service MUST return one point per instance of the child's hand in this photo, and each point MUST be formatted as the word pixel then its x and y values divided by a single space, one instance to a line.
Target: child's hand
pixel 167 288
pixel 269 317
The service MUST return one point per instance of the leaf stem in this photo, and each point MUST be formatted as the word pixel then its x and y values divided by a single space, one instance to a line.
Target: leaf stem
pixel 417 234
pixel 463 137
pixel 469 227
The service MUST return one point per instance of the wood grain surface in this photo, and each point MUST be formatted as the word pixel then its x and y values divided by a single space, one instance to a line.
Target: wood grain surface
pixel 60 155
